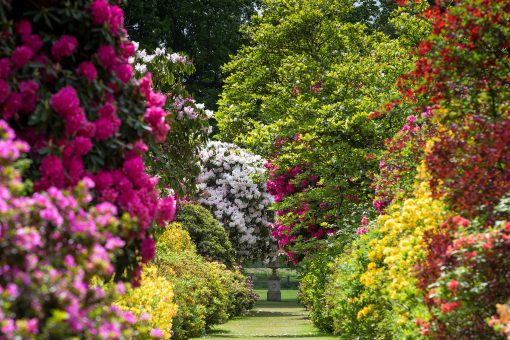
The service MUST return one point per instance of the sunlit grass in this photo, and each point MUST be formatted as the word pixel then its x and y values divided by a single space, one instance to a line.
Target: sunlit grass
pixel 274 320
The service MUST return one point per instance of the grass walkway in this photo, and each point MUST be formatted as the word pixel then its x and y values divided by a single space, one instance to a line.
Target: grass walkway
pixel 271 320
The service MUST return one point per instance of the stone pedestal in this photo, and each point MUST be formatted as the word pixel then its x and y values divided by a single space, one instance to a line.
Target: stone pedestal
pixel 273 291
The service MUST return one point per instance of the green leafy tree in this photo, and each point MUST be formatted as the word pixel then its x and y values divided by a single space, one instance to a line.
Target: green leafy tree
pixel 208 31
pixel 302 93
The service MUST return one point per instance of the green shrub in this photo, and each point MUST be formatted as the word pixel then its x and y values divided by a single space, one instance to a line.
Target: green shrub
pixel 206 293
pixel 209 236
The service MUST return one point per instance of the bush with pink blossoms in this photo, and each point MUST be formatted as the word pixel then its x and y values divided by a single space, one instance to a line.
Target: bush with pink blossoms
pixel 69 91
pixel 52 244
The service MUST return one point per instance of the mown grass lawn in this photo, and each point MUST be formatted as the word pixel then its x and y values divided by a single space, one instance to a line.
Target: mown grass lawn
pixel 273 320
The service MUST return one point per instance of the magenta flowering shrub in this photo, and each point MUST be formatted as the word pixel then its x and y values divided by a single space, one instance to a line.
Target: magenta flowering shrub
pixel 52 244
pixel 67 89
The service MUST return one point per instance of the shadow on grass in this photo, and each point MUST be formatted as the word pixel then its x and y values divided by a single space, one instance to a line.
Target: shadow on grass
pixel 276 336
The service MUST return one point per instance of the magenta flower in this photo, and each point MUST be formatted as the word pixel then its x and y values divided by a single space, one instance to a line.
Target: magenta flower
pixel 100 12
pixel 23 28
pixel 81 145
pixel 33 41
pixel 5 68
pixel 108 123
pixel 5 90
pixel 28 90
pixel 65 101
pixel 107 56
pixel 166 211
pixel 157 333
pixel 21 56
pixel 116 18
pixel 64 47
pixel 124 72
pixel 12 104
pixel 87 70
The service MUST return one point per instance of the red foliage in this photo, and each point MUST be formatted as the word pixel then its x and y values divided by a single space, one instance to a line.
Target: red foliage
pixel 470 163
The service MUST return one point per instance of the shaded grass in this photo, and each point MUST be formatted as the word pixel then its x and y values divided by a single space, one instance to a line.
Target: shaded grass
pixel 272 320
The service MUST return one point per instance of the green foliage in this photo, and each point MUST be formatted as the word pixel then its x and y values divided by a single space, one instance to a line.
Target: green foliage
pixel 302 93
pixel 210 238
pixel 175 161
pixel 208 31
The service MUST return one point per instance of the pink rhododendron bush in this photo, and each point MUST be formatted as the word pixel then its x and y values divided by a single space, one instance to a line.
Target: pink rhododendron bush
pixel 67 89
pixel 52 244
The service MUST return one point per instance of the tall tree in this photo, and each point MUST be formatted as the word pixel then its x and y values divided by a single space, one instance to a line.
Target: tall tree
pixel 302 93
pixel 206 30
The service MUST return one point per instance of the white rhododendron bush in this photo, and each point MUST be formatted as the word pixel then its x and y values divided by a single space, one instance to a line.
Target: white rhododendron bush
pixel 232 187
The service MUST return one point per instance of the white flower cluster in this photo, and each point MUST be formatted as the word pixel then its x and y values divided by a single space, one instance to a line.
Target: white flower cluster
pixel 228 186
pixel 142 58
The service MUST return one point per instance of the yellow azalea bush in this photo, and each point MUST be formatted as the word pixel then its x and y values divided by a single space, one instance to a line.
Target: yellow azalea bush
pixel 355 309
pixel 153 300
pixel 400 246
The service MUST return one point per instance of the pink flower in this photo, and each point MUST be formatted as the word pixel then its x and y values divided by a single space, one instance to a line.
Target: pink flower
pixel 364 221
pixel 5 90
pixel 12 105
pixel 129 317
pixel 157 333
pixel 28 91
pixel 449 306
pixel 8 326
pixel 154 116
pixel 124 72
pixel 140 147
pixel 33 41
pixel 133 168
pixel 127 49
pixel 75 121
pixel 81 145
pixel 361 231
pixel 65 101
pixel 108 123
pixel 145 85
pixel 116 18
pixel 64 47
pixel 107 56
pixel 100 12
pixel 23 27
pixel 21 56
pixel 453 285
pixel 87 70
pixel 5 68
pixel 156 99
pixel 166 211
pixel 52 170
pixel 32 326
pixel 114 243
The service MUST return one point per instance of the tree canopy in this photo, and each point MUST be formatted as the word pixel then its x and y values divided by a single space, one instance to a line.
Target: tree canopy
pixel 206 30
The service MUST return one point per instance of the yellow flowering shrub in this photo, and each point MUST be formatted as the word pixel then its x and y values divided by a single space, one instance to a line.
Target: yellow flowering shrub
pixel 154 300
pixel 400 246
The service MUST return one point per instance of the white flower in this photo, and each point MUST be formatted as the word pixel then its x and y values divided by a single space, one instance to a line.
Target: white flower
pixel 159 51
pixel 200 106
pixel 148 58
pixel 142 68
pixel 226 186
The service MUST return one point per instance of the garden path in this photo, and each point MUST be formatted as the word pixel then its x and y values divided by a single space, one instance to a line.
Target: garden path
pixel 271 320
